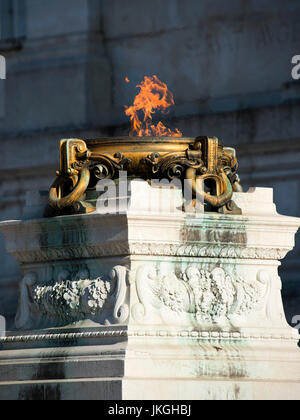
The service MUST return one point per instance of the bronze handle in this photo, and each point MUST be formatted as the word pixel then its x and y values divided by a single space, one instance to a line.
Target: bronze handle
pixel 225 187
pixel 221 200
pixel 58 202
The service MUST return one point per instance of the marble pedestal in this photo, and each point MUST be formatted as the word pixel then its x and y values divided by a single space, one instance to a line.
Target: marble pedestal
pixel 145 305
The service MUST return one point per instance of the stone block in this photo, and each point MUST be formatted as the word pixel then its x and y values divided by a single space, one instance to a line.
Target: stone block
pixel 164 305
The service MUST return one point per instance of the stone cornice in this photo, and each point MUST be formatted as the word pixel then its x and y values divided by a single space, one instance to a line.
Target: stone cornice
pixel 145 249
pixel 261 237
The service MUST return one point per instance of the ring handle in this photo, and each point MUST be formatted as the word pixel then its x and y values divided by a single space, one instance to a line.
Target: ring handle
pixel 58 202
pixel 221 200
pixel 214 200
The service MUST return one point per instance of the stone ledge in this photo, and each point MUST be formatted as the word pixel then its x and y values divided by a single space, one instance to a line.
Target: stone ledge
pixel 156 249
pixel 210 336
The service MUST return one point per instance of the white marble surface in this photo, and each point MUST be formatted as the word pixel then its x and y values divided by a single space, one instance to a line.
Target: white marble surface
pixel 169 305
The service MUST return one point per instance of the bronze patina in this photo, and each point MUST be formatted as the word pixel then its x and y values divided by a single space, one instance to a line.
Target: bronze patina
pixel 84 163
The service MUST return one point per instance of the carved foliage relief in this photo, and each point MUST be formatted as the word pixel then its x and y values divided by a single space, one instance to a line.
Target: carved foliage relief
pixel 72 298
pixel 206 296
pixel 197 295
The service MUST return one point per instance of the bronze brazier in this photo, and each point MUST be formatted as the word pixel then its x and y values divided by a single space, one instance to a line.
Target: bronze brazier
pixel 83 163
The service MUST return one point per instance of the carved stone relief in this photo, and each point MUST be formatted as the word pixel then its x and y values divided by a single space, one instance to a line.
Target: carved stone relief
pixel 200 295
pixel 71 298
pixel 157 249
pixel 195 296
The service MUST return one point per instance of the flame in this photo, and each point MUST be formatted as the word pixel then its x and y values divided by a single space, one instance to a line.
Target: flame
pixel 153 96
pixel 127 80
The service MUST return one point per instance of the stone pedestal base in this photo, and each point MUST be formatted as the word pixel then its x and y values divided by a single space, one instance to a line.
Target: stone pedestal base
pixel 119 364
pixel 144 306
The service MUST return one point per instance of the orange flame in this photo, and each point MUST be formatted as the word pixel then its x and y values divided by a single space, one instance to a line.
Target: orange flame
pixel 153 96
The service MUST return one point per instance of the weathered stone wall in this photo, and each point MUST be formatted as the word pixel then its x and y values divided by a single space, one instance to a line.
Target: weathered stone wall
pixel 227 63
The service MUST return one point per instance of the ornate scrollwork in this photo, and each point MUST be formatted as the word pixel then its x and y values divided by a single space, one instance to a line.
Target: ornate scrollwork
pixel 170 166
pixel 107 167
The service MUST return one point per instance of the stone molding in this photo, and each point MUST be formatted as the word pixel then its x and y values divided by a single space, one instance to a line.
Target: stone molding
pixel 142 333
pixel 153 248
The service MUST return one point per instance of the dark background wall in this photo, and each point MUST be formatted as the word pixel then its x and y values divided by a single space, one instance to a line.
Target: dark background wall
pixel 228 64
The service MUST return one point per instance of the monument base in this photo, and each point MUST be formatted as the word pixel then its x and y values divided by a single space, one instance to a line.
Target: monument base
pixel 143 306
